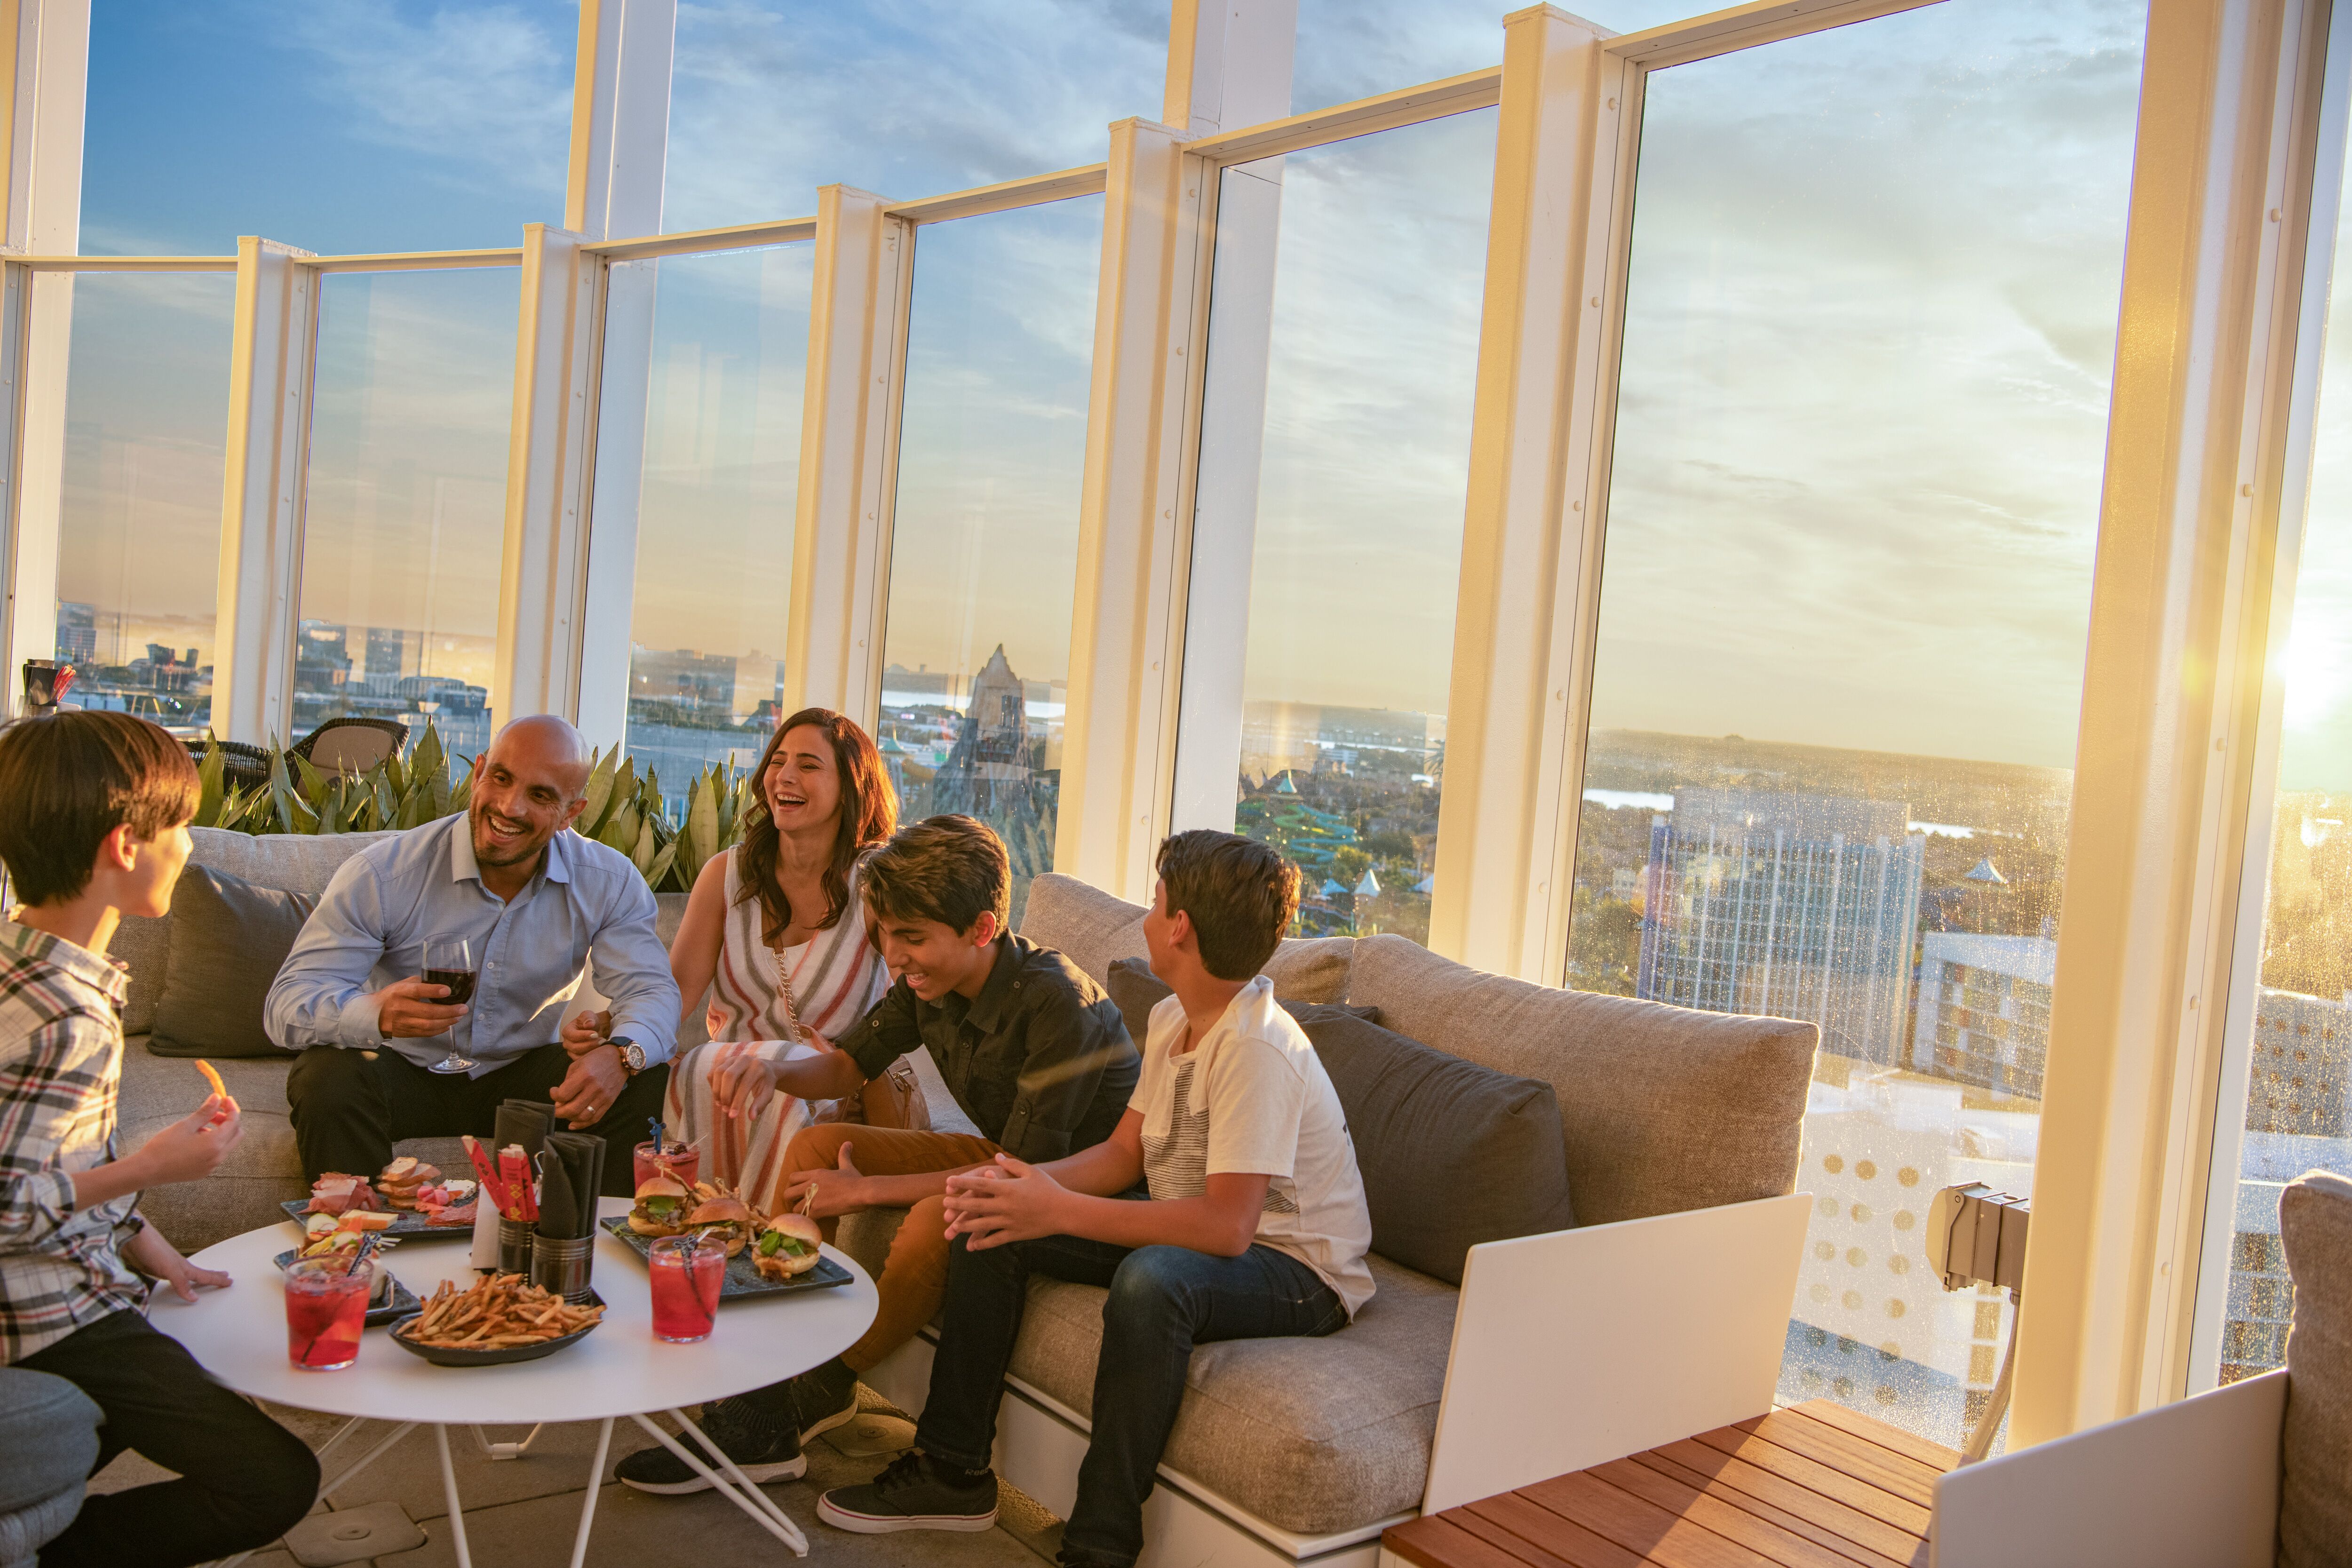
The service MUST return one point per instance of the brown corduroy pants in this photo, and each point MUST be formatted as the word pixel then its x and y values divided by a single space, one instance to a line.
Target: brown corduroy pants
pixel 914 1279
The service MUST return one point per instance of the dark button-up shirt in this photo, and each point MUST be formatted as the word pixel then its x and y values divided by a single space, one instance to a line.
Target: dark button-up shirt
pixel 1040 1060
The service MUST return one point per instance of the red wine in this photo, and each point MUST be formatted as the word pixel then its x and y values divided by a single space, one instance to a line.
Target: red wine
pixel 460 983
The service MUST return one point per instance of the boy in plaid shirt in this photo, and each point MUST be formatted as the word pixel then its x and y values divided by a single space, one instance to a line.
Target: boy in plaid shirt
pixel 94 811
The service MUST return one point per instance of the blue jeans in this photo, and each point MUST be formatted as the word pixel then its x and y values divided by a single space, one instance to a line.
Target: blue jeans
pixel 1163 1301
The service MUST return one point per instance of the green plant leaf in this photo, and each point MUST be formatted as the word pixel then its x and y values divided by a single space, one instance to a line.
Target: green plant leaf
pixel 621 832
pixel 600 793
pixel 210 772
pixel 642 851
pixel 699 837
pixel 428 758
pixel 661 875
pixel 395 774
pixel 311 783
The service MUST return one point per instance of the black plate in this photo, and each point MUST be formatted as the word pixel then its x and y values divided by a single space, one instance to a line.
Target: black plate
pixel 503 1355
pixel 743 1277
pixel 402 1303
pixel 407 1224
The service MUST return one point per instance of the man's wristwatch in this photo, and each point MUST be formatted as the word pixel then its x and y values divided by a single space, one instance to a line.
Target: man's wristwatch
pixel 633 1055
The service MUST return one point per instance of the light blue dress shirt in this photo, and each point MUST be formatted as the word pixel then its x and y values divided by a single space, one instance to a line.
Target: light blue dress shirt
pixel 372 923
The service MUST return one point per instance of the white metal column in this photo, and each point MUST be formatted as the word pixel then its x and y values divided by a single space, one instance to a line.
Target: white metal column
pixel 841 538
pixel 1151 580
pixel 2179 621
pixel 271 350
pixel 45 65
pixel 620 141
pixel 1247 61
pixel 549 453
pixel 1531 534
pixel 1123 632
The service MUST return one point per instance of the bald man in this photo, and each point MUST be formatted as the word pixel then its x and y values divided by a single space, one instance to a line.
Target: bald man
pixel 535 900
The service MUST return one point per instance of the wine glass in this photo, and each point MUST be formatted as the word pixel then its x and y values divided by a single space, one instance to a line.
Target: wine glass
pixel 449 961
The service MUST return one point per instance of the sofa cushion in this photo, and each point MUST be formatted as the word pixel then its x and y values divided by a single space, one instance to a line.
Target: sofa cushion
pixel 1096 929
pixel 1452 1153
pixel 2315 1445
pixel 1664 1108
pixel 1135 990
pixel 1311 1436
pixel 292 862
pixel 228 938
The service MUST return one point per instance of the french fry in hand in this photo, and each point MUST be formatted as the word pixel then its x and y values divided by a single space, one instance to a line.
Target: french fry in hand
pixel 212 1077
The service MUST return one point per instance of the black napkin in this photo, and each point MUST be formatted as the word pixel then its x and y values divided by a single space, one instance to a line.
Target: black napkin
pixel 524 1121
pixel 574 1172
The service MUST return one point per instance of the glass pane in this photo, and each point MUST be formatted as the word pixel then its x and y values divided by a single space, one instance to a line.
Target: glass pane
pixel 139 548
pixel 406 520
pixel 2295 1110
pixel 983 558
pixel 434 124
pixel 1862 422
pixel 771 99
pixel 1373 353
pixel 715 510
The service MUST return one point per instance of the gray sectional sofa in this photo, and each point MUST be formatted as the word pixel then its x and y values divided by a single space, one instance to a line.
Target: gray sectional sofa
pixel 1286 1449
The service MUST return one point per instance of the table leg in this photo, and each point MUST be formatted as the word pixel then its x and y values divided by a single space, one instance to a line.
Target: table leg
pixel 595 1484
pixel 719 1457
pixel 326 1493
pixel 449 1495
pixel 777 1524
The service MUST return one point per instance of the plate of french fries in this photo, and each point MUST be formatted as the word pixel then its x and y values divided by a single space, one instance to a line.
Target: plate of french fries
pixel 503 1318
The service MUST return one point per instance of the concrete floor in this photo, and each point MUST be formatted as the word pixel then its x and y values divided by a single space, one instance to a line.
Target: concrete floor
pixel 521 1512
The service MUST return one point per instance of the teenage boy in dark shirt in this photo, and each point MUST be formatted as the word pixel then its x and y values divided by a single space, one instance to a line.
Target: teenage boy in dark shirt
pixel 1033 1051
pixel 94 811
pixel 1256 1227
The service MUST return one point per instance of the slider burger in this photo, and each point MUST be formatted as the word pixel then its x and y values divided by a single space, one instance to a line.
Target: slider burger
pixel 662 1204
pixel 727 1219
pixel 787 1246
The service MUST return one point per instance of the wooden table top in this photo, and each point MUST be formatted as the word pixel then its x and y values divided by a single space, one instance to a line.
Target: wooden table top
pixel 1814 1485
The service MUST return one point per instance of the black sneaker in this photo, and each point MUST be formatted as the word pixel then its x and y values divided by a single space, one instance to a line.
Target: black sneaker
pixel 760 1453
pixel 915 1492
pixel 823 1398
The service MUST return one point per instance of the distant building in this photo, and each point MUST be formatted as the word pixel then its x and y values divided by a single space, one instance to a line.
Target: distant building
pixel 1786 905
pixel 76 633
pixel 989 759
pixel 684 686
pixel 387 651
pixel 1984 1010
pixel 322 661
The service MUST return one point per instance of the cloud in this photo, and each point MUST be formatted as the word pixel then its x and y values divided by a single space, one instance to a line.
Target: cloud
pixel 483 91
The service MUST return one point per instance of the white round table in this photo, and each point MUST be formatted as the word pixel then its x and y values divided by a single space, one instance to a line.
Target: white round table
pixel 620 1370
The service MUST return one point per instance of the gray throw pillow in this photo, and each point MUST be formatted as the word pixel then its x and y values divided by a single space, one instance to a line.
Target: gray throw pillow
pixel 1135 991
pixel 228 937
pixel 1452 1153
pixel 2315 1445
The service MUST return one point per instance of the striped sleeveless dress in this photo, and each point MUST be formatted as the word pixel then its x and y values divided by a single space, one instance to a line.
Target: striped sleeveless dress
pixel 836 978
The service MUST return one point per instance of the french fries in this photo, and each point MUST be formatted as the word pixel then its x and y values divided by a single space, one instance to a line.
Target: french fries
pixel 500 1312
pixel 212 1077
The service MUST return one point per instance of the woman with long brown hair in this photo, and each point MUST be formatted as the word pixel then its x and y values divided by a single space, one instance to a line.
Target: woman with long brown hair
pixel 775 933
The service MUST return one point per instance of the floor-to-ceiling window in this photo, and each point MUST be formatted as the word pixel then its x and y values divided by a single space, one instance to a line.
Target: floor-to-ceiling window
pixel 405 500
pixel 1343 346
pixel 983 560
pixel 1861 425
pixel 717 483
pixel 138 534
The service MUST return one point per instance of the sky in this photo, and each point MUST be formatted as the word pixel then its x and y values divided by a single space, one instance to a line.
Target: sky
pixel 1870 329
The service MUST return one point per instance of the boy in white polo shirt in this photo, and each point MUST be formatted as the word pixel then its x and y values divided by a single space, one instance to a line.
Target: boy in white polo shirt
pixel 1256 1228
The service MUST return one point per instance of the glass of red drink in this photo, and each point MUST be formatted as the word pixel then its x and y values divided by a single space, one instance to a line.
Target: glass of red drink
pixel 326 1306
pixel 683 1161
pixel 686 1273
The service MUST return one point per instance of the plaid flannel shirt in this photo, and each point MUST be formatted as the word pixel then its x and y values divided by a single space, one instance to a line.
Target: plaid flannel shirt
pixel 61 1267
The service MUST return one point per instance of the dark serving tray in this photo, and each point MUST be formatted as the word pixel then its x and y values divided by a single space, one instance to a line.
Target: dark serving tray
pixel 502 1356
pixel 407 1224
pixel 401 1303
pixel 743 1277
